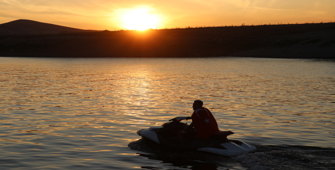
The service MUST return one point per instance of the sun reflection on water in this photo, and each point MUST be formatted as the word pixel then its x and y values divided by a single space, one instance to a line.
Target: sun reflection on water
pixel 74 107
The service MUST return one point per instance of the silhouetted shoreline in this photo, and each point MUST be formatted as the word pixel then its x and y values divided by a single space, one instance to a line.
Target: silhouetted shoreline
pixel 315 41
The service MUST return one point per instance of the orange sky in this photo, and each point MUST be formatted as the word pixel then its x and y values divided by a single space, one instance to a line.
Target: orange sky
pixel 105 14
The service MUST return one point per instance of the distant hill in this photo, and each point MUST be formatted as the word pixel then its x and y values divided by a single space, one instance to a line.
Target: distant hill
pixel 29 27
pixel 314 40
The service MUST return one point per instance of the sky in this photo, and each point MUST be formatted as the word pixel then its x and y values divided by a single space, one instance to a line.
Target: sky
pixel 108 14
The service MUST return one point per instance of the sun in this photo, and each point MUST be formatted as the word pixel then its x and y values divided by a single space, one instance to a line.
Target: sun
pixel 140 18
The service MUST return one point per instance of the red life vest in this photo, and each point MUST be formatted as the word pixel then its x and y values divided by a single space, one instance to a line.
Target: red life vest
pixel 204 123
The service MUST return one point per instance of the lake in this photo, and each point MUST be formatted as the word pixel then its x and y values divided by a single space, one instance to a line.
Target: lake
pixel 83 113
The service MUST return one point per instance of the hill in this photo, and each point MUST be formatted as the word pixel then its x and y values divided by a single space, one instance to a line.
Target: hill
pixel 282 41
pixel 29 27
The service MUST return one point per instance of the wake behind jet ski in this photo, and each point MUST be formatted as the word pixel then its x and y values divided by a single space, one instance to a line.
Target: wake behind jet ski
pixel 202 134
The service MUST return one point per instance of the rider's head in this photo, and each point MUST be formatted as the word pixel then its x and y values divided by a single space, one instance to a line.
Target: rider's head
pixel 197 104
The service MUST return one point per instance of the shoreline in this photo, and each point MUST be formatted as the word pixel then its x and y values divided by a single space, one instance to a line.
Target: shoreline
pixel 315 41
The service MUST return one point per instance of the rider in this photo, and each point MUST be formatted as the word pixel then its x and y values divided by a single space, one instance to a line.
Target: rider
pixel 204 123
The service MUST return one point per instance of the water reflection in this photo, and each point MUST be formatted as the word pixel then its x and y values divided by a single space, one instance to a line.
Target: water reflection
pixel 67 109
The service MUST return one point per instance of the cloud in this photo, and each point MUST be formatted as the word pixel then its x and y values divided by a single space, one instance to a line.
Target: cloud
pixel 61 7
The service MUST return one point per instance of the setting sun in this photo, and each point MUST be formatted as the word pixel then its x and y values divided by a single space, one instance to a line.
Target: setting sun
pixel 140 18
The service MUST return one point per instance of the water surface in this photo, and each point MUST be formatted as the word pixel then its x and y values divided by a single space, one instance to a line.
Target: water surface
pixel 83 113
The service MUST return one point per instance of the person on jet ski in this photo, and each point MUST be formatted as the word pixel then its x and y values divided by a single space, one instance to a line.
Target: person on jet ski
pixel 205 124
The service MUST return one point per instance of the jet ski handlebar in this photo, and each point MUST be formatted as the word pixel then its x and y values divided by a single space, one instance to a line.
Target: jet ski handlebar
pixel 178 119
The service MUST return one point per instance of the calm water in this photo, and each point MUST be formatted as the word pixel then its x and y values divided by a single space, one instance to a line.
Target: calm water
pixel 83 113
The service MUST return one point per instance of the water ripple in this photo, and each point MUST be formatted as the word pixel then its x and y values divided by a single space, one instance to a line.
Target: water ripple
pixel 82 113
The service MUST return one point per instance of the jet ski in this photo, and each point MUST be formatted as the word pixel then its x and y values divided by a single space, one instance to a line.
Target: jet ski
pixel 172 135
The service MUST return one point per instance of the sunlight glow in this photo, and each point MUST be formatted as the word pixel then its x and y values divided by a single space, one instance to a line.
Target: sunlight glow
pixel 140 18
